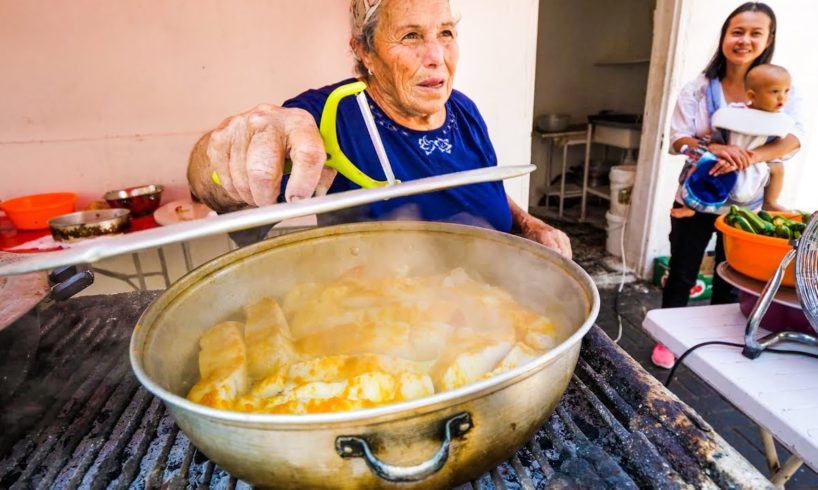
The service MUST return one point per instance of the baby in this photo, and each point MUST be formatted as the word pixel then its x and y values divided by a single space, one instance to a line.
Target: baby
pixel 767 88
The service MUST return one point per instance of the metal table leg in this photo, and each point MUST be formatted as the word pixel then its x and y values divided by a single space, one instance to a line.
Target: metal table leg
pixel 769 451
pixel 164 266
pixel 549 148
pixel 585 172
pixel 562 177
pixel 117 275
pixel 186 255
pixel 779 475
pixel 137 263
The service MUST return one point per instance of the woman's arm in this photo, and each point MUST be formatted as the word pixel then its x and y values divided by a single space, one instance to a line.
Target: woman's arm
pixel 728 161
pixel 690 123
pixel 537 230
pixel 688 141
pixel 777 149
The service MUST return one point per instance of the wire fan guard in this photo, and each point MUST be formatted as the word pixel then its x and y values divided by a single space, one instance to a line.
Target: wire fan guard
pixel 806 271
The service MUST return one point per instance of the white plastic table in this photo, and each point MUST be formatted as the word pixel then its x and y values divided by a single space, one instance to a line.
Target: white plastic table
pixel 778 392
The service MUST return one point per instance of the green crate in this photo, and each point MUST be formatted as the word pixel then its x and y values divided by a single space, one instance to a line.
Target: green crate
pixel 704 282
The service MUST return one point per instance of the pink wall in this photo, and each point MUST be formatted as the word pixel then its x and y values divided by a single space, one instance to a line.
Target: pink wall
pixel 98 95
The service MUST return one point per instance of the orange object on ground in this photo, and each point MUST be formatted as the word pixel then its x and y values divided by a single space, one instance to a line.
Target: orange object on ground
pixel 33 212
pixel 757 256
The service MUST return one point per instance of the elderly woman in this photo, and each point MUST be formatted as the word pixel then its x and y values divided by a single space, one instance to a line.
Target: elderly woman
pixel 406 52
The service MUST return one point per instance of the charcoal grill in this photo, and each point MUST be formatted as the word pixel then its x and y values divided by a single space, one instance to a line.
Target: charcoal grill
pixel 82 420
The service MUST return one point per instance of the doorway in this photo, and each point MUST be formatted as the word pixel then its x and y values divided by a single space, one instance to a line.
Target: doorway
pixel 594 57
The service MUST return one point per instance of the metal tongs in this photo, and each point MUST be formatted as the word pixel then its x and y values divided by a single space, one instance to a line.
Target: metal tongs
pixel 805 252
pixel 372 191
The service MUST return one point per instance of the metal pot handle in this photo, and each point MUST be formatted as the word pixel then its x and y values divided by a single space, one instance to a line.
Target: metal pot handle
pixel 357 447
pixel 70 280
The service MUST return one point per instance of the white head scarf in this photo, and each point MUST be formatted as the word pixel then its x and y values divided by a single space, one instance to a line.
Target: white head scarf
pixel 360 12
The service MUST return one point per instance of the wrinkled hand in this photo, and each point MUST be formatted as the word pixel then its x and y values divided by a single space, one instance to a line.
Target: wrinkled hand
pixel 248 150
pixel 540 232
pixel 731 159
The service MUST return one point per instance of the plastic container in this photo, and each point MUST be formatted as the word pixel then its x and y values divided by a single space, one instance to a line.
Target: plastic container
pixel 616 227
pixel 704 192
pixel 622 178
pixel 757 256
pixel 33 212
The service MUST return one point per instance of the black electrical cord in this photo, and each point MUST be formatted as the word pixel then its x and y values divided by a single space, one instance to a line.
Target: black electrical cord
pixel 618 314
pixel 729 344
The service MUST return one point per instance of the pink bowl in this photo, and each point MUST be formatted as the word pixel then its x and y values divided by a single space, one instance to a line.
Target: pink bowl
pixel 779 318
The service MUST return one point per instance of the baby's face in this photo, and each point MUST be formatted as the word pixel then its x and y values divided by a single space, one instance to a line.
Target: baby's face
pixel 771 95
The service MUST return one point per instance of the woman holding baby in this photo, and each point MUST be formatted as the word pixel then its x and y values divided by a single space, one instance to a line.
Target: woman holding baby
pixel 747 41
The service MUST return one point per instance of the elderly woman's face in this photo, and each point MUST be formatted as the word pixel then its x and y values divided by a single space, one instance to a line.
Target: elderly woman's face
pixel 415 56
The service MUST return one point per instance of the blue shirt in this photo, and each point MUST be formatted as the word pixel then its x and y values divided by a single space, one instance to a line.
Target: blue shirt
pixel 462 143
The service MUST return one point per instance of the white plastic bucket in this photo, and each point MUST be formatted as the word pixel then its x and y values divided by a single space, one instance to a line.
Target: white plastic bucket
pixel 622 178
pixel 616 227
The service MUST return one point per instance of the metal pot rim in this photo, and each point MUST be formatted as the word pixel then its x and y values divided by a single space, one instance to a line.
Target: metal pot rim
pixel 371 415
pixel 90 218
pixel 131 192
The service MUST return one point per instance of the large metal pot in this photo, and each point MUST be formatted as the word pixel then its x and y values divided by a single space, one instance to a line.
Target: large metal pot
pixel 432 442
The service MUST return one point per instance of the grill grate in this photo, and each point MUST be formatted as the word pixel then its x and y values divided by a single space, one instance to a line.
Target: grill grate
pixel 82 420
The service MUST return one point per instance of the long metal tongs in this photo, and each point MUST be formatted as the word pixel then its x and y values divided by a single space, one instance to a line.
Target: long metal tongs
pixel 103 247
pixel 372 191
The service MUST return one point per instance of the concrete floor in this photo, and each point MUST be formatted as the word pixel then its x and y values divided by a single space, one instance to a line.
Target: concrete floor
pixel 635 300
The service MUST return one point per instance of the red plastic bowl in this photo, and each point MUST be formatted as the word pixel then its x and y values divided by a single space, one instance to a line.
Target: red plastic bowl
pixel 33 212
pixel 140 201
pixel 757 256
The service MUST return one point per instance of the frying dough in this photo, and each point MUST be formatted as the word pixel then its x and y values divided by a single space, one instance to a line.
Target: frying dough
pixel 362 341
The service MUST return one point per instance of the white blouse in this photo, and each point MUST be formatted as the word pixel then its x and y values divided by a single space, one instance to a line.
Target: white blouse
pixel 690 117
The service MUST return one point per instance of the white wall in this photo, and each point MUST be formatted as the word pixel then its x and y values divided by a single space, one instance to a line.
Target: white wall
pixel 574 37
pixel 99 95
pixel 498 49
pixel 699 27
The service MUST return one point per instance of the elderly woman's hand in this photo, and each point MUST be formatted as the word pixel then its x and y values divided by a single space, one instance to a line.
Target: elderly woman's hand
pixel 540 232
pixel 247 152
pixel 535 229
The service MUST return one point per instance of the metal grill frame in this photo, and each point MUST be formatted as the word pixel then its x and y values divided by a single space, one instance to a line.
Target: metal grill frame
pixel 615 427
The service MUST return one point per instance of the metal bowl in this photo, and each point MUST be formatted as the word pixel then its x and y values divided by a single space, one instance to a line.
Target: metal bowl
pixel 89 224
pixel 140 201
pixel 552 123
pixel 433 442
